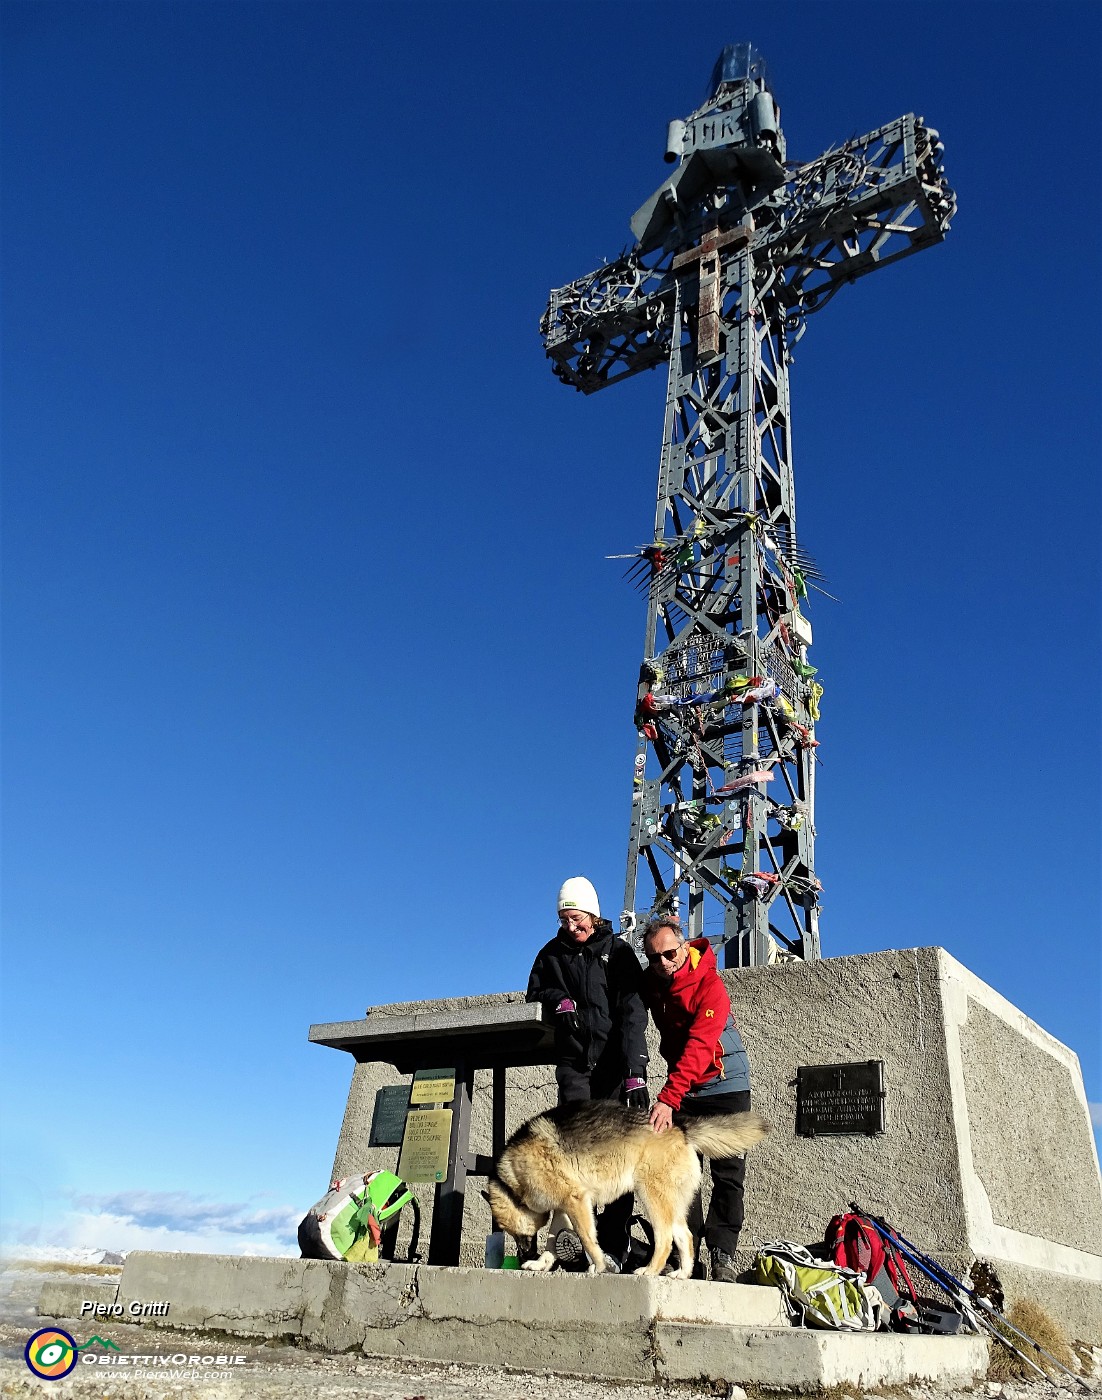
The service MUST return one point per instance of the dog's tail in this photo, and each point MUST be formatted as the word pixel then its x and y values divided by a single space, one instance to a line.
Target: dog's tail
pixel 725 1135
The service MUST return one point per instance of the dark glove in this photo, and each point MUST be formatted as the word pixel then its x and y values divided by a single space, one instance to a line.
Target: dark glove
pixel 634 1094
pixel 566 1015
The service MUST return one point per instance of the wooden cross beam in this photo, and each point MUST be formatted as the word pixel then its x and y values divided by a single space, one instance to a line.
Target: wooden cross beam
pixel 710 299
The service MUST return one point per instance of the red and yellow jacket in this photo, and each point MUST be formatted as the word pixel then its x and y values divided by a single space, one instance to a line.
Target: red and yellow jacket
pixel 692 1011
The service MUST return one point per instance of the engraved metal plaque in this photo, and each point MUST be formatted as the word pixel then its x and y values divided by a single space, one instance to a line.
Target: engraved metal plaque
pixel 839 1099
pixel 433 1086
pixel 424 1155
pixel 388 1122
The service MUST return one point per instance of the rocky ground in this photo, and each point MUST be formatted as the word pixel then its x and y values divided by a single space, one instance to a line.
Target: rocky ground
pixel 273 1372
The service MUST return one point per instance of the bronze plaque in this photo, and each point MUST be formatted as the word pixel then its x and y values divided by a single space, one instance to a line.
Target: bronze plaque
pixel 433 1086
pixel 425 1144
pixel 838 1099
pixel 389 1119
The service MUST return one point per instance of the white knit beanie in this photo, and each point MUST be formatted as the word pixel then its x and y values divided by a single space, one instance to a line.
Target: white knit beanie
pixel 578 893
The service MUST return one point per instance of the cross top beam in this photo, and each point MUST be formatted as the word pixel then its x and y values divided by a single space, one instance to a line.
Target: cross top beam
pixel 732 252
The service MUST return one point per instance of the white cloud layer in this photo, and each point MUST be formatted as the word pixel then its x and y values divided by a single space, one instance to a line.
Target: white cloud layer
pixel 163 1220
pixel 1096 1114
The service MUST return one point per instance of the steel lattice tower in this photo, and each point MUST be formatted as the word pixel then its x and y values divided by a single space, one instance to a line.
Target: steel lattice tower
pixel 732 253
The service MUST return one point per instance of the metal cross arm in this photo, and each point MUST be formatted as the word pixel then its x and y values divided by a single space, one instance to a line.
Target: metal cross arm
pixel 877 199
pixel 609 325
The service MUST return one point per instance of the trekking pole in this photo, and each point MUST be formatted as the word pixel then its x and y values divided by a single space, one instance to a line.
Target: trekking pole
pixel 945 1280
pixel 968 1300
pixel 957 1294
pixel 1004 1321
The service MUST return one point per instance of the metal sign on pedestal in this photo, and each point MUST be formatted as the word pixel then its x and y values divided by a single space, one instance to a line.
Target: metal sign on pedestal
pixel 733 251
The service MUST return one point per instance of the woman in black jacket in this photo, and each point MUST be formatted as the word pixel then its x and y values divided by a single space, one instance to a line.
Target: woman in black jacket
pixel 588 981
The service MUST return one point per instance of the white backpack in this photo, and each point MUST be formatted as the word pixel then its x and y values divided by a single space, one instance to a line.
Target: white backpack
pixel 357 1220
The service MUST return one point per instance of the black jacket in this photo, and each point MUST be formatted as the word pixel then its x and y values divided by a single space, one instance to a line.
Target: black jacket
pixel 602 978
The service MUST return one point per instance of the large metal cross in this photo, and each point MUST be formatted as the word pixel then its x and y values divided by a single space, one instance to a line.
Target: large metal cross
pixel 732 252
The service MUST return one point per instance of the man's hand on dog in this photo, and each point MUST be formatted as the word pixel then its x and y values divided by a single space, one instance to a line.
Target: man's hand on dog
pixel 661 1117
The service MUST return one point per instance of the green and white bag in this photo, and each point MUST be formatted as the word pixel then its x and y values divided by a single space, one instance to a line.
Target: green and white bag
pixel 357 1220
pixel 816 1292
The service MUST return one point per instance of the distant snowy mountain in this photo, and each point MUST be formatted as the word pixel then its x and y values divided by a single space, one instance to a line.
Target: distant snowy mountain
pixel 57 1254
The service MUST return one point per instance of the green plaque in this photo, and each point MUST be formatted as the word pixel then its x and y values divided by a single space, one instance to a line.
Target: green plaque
pixel 389 1119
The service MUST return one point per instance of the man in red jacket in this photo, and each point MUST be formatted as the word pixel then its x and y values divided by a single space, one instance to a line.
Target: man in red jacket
pixel 707 1072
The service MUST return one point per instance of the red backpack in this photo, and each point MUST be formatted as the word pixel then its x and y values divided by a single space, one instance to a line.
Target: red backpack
pixel 853 1241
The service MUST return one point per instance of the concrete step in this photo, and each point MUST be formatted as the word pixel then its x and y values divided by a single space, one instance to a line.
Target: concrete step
pixel 802 1359
pixel 614 1328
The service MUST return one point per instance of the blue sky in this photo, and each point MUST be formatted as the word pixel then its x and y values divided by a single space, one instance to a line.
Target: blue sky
pixel 318 682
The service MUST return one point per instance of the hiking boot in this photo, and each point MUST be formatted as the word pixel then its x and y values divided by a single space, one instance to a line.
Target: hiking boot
pixel 567 1247
pixel 723 1267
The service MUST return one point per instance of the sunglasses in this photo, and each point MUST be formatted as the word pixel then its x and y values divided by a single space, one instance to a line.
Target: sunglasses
pixel 668 956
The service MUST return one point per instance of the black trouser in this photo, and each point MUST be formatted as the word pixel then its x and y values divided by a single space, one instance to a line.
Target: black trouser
pixel 579 1086
pixel 726 1211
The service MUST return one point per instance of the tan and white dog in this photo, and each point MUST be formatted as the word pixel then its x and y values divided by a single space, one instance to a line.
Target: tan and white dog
pixel 575 1159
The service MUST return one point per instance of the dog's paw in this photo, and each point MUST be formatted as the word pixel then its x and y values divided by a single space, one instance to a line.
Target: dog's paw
pixel 596 1269
pixel 541 1265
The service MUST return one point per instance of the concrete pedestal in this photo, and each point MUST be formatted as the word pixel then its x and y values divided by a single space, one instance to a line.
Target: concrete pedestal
pixel 988 1149
pixel 617 1329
